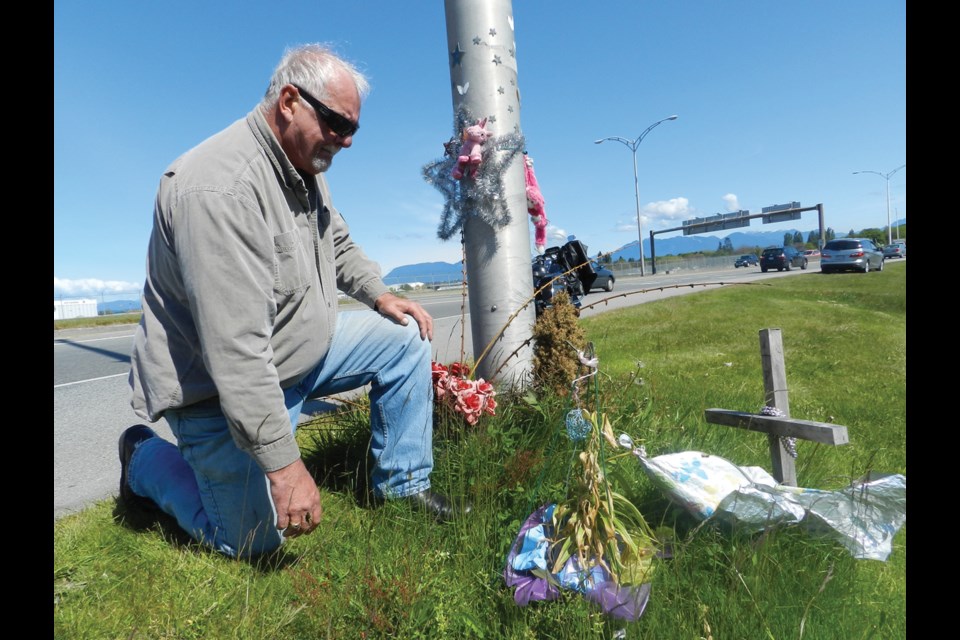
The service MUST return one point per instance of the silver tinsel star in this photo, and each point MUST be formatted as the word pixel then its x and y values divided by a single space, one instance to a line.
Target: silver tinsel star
pixel 481 196
pixel 451 147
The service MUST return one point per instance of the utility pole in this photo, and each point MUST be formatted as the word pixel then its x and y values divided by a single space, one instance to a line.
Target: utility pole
pixel 886 177
pixel 481 52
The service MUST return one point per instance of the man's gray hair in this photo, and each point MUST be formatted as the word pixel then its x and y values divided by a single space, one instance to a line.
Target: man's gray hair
pixel 312 66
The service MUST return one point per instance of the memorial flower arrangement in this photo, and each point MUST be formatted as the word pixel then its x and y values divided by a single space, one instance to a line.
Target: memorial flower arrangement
pixel 594 523
pixel 593 540
pixel 453 388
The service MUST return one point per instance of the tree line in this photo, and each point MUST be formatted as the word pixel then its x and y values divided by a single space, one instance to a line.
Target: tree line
pixel 795 239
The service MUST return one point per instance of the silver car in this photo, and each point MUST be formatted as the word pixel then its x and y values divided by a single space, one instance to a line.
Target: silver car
pixel 895 250
pixel 851 254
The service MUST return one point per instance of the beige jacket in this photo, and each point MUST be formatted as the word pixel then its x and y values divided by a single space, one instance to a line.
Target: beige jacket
pixel 240 298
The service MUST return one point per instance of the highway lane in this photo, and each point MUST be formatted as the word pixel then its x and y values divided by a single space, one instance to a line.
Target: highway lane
pixel 88 355
pixel 84 355
pixel 91 402
pixel 91 397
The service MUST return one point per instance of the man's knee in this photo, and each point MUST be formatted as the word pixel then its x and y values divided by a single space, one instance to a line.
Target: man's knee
pixel 261 540
pixel 415 344
pixel 405 342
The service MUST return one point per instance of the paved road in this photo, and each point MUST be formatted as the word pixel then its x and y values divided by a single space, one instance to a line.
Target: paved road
pixel 91 398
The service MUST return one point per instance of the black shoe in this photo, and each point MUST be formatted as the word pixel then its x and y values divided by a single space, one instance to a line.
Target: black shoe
pixel 129 440
pixel 439 506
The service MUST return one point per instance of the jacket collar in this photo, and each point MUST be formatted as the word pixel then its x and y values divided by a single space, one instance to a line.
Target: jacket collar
pixel 278 157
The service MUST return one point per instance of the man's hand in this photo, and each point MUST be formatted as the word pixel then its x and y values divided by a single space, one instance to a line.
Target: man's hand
pixel 297 499
pixel 399 308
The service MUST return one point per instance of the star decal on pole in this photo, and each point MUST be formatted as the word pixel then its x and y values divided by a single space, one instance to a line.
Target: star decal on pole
pixel 456 56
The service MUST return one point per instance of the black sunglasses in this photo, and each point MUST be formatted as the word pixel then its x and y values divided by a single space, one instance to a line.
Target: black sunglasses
pixel 339 124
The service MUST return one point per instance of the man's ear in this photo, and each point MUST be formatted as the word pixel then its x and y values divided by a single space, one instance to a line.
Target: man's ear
pixel 288 101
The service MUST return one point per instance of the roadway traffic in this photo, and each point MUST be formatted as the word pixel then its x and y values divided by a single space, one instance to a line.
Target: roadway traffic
pixel 91 404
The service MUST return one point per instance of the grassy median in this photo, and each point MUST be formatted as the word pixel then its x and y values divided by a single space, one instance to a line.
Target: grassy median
pixel 388 572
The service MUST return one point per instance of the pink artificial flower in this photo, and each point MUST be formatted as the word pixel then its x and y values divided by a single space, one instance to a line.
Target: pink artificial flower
pixel 458 386
pixel 470 403
pixel 460 369
pixel 471 398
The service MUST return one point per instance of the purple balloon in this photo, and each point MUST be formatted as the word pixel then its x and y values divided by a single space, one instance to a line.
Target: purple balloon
pixel 529 587
pixel 625 603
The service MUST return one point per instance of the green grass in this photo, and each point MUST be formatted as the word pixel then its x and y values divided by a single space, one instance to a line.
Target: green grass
pixel 99 321
pixel 389 573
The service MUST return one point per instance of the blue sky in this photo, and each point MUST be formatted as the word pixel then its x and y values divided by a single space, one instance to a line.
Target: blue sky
pixel 777 102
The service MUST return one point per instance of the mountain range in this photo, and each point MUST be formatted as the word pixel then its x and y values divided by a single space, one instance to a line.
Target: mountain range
pixel 440 272
pixel 118 306
pixel 437 272
pixel 691 244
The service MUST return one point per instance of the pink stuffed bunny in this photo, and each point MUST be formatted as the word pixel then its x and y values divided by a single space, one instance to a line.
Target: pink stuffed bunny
pixel 471 151
pixel 536 206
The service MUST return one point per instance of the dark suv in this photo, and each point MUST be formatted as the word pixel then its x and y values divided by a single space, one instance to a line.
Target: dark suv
pixel 781 258
pixel 565 268
pixel 747 260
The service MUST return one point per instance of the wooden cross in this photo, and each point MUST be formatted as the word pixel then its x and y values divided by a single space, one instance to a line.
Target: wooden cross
pixel 775 395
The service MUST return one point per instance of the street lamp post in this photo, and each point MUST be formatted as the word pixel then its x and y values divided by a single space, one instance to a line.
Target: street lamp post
pixel 632 145
pixel 886 177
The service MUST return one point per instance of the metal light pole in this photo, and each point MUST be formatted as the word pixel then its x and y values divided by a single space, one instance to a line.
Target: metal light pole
pixel 481 54
pixel 886 176
pixel 633 144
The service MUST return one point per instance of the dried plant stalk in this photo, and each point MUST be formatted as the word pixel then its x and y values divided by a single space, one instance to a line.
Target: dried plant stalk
pixel 599 525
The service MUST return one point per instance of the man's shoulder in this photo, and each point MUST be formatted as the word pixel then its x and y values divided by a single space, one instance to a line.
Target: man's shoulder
pixel 234 163
pixel 229 147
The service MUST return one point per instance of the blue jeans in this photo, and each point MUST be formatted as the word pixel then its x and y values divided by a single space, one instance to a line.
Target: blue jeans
pixel 220 496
